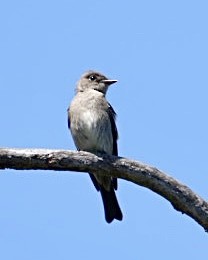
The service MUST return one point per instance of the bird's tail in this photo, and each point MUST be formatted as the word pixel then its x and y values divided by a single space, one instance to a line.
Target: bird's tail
pixel 111 206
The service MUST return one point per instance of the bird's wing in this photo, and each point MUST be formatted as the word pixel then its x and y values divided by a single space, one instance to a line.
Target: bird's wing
pixel 68 118
pixel 112 117
pixel 95 182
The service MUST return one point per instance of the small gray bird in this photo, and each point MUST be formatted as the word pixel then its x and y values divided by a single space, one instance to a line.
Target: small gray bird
pixel 91 120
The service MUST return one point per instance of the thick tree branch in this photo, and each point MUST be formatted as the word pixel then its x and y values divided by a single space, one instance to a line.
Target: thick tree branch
pixel 180 196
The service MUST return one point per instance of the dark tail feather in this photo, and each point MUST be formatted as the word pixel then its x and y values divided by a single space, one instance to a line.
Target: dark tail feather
pixel 111 206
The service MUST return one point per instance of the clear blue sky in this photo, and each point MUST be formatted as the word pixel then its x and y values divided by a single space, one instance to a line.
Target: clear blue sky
pixel 157 50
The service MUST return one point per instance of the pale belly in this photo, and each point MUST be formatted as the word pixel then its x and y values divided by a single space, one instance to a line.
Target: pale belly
pixel 93 133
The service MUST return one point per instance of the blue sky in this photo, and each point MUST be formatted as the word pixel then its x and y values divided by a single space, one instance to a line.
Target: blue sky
pixel 157 50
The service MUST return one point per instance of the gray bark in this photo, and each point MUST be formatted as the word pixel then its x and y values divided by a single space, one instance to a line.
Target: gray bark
pixel 180 196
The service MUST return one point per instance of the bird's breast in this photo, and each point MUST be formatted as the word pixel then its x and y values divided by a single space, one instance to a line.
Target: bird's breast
pixel 93 132
pixel 91 125
pixel 89 120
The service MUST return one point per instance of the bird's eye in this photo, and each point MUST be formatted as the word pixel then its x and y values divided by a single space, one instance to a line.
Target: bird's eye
pixel 92 77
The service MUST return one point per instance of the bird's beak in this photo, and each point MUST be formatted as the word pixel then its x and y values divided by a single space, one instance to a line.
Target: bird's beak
pixel 109 81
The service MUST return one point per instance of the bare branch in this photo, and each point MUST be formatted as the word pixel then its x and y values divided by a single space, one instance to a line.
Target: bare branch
pixel 180 196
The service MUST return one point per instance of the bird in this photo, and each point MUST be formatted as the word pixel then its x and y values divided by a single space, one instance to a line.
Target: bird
pixel 91 120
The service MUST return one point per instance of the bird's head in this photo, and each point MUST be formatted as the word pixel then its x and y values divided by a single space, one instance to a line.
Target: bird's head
pixel 94 80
